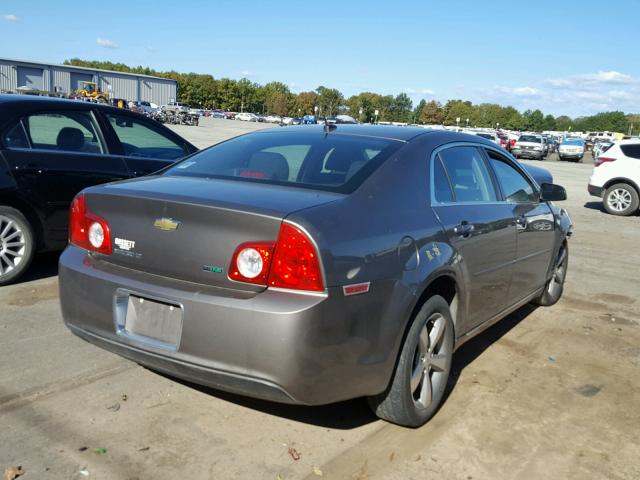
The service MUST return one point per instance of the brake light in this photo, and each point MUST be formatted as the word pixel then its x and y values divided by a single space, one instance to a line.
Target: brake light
pixel 600 160
pixel 295 262
pixel 250 262
pixel 87 230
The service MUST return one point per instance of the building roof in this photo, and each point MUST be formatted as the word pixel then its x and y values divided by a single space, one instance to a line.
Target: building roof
pixel 86 69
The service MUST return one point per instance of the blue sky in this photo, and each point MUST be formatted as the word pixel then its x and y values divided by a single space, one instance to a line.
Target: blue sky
pixel 574 57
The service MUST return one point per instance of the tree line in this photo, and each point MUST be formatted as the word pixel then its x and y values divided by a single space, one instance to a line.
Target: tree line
pixel 204 91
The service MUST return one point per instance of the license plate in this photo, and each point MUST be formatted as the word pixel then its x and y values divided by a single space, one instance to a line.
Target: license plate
pixel 153 320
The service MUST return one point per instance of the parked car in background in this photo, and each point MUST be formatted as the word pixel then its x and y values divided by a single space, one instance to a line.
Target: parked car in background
pixel 616 178
pixel 176 107
pixel 601 147
pixel 50 150
pixel 246 117
pixel 230 115
pixel 572 149
pixel 529 146
pixel 218 114
pixel 492 137
pixel 309 119
pixel 306 267
pixel 503 140
pixel 197 111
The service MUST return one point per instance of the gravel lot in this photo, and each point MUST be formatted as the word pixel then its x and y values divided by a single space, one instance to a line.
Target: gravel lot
pixel 546 393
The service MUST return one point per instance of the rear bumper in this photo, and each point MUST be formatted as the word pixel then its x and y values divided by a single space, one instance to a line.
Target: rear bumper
pixel 570 155
pixel 595 191
pixel 276 345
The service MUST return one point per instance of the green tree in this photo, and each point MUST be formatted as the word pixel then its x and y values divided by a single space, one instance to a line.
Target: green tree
pixel 330 100
pixel 549 123
pixel 431 113
pixel 401 109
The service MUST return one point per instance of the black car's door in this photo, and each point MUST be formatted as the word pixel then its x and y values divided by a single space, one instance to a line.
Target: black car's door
pixel 479 226
pixel 55 154
pixel 535 225
pixel 146 146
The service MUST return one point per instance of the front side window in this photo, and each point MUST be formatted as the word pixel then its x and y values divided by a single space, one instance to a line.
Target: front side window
pixel 331 162
pixel 15 137
pixel 468 175
pixel 64 131
pixel 515 187
pixel 141 140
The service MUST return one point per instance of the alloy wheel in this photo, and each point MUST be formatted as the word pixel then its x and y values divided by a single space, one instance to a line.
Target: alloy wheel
pixel 619 199
pixel 559 274
pixel 432 354
pixel 12 245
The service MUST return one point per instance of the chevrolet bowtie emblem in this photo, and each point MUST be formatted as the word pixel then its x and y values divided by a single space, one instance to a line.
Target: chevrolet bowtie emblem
pixel 166 224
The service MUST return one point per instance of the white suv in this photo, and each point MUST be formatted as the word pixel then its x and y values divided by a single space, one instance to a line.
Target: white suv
pixel 616 178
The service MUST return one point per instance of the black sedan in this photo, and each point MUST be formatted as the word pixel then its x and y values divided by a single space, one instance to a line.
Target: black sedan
pixel 50 149
pixel 315 264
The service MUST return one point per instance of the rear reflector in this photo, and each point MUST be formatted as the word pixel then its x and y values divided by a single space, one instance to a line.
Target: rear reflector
pixel 600 160
pixel 356 289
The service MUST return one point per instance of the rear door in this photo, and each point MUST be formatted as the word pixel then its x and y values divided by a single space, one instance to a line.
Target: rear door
pixel 479 226
pixel 535 225
pixel 55 154
pixel 146 146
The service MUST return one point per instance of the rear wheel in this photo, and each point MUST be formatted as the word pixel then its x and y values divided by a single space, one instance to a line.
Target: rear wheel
pixel 422 372
pixel 621 199
pixel 555 286
pixel 17 244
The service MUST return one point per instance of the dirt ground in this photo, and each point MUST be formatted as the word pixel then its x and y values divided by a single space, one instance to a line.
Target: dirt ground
pixel 545 393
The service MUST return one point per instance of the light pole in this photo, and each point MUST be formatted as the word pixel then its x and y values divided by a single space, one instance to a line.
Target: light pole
pixel 315 112
pixel 376 112
pixel 457 122
pixel 360 116
pixel 467 123
pixel 498 126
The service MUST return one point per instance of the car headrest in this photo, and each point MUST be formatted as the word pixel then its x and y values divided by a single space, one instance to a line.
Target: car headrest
pixel 274 165
pixel 341 158
pixel 70 138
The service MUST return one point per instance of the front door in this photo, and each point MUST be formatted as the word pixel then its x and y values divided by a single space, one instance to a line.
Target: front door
pixel 535 225
pixel 479 227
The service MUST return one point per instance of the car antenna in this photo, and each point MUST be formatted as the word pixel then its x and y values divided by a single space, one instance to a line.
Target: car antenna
pixel 329 127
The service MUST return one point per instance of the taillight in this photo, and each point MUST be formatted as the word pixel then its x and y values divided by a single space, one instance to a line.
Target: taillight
pixel 295 262
pixel 250 262
pixel 600 160
pixel 87 230
pixel 292 262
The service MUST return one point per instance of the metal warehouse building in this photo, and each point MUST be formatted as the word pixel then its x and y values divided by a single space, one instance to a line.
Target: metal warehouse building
pixel 66 78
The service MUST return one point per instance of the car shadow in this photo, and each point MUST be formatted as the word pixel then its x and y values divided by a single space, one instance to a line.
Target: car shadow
pixel 44 265
pixel 355 413
pixel 345 415
pixel 472 349
pixel 595 206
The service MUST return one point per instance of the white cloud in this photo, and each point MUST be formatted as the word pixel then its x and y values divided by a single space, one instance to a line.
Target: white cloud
pixel 602 77
pixel 247 74
pixel 10 17
pixel 419 91
pixel 103 42
pixel 520 91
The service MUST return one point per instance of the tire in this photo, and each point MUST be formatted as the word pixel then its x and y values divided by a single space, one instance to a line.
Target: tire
pixel 17 244
pixel 432 325
pixel 555 285
pixel 620 199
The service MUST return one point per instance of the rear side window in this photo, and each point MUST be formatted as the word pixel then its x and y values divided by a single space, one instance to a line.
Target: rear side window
pixel 64 131
pixel 138 139
pixel 331 162
pixel 468 175
pixel 632 151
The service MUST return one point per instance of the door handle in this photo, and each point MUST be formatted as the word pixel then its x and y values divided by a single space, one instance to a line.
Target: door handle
pixel 464 229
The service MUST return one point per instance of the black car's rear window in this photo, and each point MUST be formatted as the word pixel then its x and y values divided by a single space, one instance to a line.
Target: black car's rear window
pixel 330 161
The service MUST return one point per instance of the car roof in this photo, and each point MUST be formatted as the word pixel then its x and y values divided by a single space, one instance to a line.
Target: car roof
pixel 392 132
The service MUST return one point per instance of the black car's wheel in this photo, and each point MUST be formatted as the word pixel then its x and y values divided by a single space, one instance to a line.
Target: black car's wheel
pixel 422 372
pixel 16 244
pixel 620 199
pixel 555 286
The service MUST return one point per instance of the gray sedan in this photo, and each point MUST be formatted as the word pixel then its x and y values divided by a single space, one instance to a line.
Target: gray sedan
pixel 315 264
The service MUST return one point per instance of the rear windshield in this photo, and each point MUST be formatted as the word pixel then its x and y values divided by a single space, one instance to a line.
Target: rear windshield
pixel 330 162
pixel 530 138
pixel 573 141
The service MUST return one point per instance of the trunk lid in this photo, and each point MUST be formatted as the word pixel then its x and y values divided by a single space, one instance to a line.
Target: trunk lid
pixel 188 228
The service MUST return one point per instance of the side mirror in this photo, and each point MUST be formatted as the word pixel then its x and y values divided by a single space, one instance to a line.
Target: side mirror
pixel 550 192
